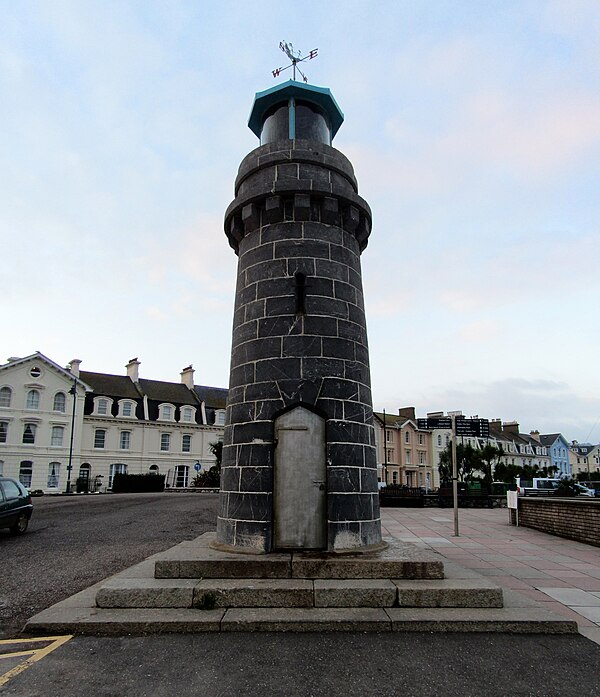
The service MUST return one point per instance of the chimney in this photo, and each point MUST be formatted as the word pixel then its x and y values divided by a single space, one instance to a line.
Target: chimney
pixel 511 427
pixel 187 377
pixel 407 413
pixel 74 367
pixel 496 424
pixel 133 370
pixel 535 435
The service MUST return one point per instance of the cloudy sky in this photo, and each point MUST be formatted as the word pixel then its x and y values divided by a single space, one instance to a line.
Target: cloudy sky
pixel 474 129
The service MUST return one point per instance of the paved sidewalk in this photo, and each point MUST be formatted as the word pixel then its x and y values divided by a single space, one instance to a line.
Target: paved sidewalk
pixel 561 573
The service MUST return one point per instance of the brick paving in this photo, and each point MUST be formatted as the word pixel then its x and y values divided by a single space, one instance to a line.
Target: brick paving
pixel 561 573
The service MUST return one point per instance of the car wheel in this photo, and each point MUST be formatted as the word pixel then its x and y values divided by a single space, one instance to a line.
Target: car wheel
pixel 21 525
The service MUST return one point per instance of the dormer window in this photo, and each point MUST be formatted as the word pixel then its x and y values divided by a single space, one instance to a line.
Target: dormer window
pixel 187 415
pixel 166 412
pixel 102 406
pixel 220 418
pixel 127 409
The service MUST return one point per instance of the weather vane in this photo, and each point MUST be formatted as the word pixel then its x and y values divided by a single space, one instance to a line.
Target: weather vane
pixel 295 57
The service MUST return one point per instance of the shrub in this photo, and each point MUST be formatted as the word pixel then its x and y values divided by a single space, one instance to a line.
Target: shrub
pixel 138 483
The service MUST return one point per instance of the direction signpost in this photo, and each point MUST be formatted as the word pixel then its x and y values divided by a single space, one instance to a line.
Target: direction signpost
pixel 479 428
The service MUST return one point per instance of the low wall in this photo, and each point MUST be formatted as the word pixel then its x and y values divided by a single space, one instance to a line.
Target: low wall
pixel 577 518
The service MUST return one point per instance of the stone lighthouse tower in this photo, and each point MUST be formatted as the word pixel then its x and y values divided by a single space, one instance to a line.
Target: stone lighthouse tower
pixel 299 467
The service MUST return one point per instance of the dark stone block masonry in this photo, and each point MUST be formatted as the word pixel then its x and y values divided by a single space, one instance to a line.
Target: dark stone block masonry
pixel 298 226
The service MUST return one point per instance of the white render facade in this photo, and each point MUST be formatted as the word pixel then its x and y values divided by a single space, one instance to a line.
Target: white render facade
pixel 120 424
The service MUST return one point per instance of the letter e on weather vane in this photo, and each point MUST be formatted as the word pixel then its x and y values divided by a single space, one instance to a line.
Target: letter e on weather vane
pixel 295 57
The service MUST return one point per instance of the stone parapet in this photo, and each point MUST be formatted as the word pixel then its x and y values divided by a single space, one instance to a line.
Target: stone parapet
pixel 292 181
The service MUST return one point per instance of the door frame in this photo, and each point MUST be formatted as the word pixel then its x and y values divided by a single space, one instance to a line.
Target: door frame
pixel 320 413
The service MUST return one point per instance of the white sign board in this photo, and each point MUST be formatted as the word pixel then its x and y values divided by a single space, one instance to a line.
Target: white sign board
pixel 511 499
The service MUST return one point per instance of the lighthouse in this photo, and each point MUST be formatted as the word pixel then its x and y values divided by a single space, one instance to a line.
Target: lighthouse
pixel 299 465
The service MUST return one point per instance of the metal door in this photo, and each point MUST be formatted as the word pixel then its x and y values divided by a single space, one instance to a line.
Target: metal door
pixel 300 481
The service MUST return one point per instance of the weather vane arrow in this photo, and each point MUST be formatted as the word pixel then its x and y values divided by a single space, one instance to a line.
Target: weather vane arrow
pixel 295 57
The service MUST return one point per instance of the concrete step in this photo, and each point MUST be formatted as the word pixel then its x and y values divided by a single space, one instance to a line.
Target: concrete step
pixel 198 559
pixel 61 619
pixel 120 592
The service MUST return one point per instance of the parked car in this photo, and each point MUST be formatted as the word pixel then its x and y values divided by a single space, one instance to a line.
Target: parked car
pixel 593 485
pixel 582 490
pixel 15 506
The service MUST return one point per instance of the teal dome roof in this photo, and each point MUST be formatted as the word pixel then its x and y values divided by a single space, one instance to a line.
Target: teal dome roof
pixel 320 96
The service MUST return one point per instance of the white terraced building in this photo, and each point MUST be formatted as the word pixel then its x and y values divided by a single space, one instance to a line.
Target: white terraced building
pixel 118 423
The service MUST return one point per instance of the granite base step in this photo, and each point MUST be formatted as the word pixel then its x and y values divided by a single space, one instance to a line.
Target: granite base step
pixel 361 602
pixel 120 592
pixel 65 619
pixel 198 559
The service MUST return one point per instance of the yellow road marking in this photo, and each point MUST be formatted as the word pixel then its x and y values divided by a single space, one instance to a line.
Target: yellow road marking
pixel 34 654
pixel 15 654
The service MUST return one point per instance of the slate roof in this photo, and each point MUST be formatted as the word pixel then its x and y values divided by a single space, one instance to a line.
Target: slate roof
pixel 392 420
pixel 548 439
pixel 583 448
pixel 214 397
pixel 173 392
pixel 157 392
pixel 119 386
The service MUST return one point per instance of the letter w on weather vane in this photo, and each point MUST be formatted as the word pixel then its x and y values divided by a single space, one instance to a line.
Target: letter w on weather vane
pixel 295 57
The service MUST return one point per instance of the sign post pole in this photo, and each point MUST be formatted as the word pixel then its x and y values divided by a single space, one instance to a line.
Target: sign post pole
pixel 454 477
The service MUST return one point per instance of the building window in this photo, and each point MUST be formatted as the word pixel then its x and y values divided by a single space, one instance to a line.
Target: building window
pixel 439 441
pixel 153 469
pixel 29 434
pixel 58 433
pixel 220 418
pixel 127 409
pixel 3 431
pixel 407 453
pixel 117 468
pixel 421 457
pixel 388 436
pixel 5 396
pixel 53 475
pixel 35 372
pixel 394 477
pixel 390 455
pixel 420 439
pixel 99 438
pixel 165 442
pixel 186 443
pixel 187 415
pixel 447 441
pixel 181 475
pixel 166 412
pixel 26 473
pixel 1 468
pixel 102 407
pixel 406 437
pixel 60 402
pixel 125 440
pixel 33 400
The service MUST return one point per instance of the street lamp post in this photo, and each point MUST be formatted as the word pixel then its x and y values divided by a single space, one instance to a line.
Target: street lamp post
pixel 72 391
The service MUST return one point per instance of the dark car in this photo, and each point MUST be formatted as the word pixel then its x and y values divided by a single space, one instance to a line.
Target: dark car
pixel 15 506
